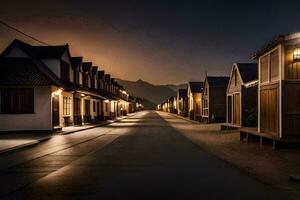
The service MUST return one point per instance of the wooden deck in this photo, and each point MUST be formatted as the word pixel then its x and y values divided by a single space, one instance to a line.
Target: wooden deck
pixel 248 134
pixel 228 126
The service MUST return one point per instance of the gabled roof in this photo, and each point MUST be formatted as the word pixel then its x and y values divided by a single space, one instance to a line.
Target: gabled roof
pixel 196 86
pixel 101 74
pixel 107 77
pixel 182 93
pixel 40 52
pixel 248 71
pixel 94 71
pixel 274 42
pixel 27 49
pixel 217 81
pixel 75 62
pixel 86 66
pixel 21 71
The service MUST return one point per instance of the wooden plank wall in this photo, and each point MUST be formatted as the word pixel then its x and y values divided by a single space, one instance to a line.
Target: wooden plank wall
pixel 269 109
pixel 291 108
pixel 237 109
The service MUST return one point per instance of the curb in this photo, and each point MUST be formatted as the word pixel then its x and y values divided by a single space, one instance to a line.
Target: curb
pixel 51 135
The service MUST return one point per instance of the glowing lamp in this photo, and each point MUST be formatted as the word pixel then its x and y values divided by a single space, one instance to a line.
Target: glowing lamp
pixel 57 92
pixel 106 101
pixel 296 54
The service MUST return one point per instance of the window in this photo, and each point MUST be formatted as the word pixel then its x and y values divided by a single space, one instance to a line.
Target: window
pixel 274 65
pixel 94 106
pixel 65 71
pixel 17 100
pixel 67 106
pixel 264 71
pixel 92 82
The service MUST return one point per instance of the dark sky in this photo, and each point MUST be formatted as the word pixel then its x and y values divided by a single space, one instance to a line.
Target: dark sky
pixel 157 41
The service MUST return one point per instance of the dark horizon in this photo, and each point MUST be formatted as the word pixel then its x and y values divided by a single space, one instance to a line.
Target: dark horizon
pixel 158 42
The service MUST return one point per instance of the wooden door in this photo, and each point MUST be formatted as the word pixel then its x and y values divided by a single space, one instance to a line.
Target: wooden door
pixel 77 111
pixel 237 109
pixel 55 111
pixel 229 109
pixel 269 109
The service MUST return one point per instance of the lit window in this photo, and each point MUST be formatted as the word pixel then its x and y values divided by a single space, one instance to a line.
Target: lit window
pixel 67 105
pixel 296 54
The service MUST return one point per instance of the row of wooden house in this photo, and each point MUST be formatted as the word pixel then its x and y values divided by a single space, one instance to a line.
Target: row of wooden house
pixel 260 99
pixel 44 88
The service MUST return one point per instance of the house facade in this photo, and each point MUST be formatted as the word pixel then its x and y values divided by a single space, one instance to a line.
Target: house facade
pixel 194 98
pixel 242 95
pixel 214 99
pixel 182 102
pixel 279 87
pixel 43 88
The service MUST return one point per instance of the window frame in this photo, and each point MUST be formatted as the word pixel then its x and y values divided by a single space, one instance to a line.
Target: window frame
pixel 66 106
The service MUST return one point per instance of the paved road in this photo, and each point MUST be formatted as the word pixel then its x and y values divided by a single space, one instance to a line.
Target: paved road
pixel 141 157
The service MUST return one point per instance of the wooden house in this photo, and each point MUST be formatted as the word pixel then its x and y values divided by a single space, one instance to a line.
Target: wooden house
pixel 279 88
pixel 194 95
pixel 182 102
pixel 242 96
pixel 214 99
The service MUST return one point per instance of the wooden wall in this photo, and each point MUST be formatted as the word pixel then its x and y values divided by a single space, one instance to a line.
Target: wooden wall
pixel 290 108
pixel 269 109
pixel 236 108
pixel 217 103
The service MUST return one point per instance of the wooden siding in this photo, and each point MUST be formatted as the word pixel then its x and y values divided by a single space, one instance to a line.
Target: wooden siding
pixel 290 108
pixel 236 108
pixel 235 82
pixel 274 65
pixel 269 110
pixel 217 104
pixel 264 68
pixel 229 109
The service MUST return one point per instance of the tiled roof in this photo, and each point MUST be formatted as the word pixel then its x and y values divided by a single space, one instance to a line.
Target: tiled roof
pixel 217 81
pixel 21 71
pixel 44 51
pixel 196 86
pixel 248 71
pixel 182 93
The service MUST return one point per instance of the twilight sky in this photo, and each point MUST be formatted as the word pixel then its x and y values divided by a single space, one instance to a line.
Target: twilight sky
pixel 157 41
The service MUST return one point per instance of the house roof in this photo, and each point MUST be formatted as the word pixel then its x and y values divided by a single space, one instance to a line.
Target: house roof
pixel 182 93
pixel 21 71
pixel 76 61
pixel 101 74
pixel 42 51
pixel 31 52
pixel 217 81
pixel 248 71
pixel 94 71
pixel 196 86
pixel 86 66
pixel 274 42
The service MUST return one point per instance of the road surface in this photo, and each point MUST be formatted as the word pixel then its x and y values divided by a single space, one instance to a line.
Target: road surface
pixel 141 157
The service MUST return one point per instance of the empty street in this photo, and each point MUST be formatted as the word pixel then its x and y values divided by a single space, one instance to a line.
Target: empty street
pixel 140 157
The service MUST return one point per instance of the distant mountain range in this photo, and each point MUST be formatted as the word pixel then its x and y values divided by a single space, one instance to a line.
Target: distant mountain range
pixel 153 93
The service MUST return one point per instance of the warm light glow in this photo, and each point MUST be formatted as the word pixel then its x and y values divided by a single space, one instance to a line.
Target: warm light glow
pixel 106 101
pixel 124 92
pixel 57 92
pixel 82 95
pixel 297 54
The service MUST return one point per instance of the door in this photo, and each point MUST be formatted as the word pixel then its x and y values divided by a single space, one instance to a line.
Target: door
pixel 55 111
pixel 77 111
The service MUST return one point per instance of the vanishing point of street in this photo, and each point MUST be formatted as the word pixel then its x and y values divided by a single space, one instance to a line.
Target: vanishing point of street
pixel 141 157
